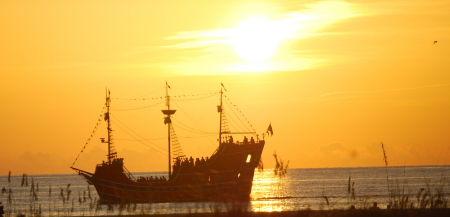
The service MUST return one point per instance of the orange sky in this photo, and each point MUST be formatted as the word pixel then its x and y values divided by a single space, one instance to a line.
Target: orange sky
pixel 345 76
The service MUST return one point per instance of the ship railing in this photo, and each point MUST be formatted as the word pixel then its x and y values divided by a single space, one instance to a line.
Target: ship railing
pixel 128 174
pixel 190 163
pixel 241 143
pixel 229 139
pixel 151 179
pixel 81 171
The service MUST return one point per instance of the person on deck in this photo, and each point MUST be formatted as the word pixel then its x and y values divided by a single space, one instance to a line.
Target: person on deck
pixel 375 206
pixel 185 162
pixel 191 161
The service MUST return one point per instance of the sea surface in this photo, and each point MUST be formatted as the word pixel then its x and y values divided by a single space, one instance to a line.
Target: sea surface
pixel 300 189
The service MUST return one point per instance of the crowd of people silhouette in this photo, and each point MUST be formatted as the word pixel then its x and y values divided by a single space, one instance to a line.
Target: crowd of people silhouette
pixel 189 161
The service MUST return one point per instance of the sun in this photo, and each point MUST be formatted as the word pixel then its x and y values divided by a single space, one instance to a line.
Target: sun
pixel 256 39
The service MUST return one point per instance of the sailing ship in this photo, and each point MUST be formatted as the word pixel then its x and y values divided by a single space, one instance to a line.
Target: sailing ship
pixel 225 175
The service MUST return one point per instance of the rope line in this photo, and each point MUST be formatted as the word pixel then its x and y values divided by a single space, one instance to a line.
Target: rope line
pixel 241 113
pixel 139 108
pixel 196 123
pixel 233 105
pixel 238 120
pixel 161 152
pixel 191 129
pixel 204 97
pixel 200 96
pixel 92 134
pixel 176 146
pixel 232 120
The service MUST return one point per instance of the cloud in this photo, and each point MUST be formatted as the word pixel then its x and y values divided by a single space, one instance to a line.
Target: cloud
pixel 144 161
pixel 34 163
pixel 333 148
pixel 353 153
pixel 340 151
pixel 350 96
pixel 297 24
pixel 213 47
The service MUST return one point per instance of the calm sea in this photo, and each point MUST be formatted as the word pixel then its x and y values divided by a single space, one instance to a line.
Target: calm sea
pixel 324 188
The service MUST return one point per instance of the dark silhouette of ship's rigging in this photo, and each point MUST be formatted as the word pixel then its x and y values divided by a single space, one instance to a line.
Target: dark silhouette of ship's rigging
pixel 225 175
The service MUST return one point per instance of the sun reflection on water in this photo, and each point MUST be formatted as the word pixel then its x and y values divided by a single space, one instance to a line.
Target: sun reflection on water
pixel 267 193
pixel 267 206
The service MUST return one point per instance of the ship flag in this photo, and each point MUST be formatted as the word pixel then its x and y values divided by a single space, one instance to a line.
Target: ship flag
pixel 270 130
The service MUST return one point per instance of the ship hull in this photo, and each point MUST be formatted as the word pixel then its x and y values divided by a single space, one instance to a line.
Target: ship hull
pixel 227 175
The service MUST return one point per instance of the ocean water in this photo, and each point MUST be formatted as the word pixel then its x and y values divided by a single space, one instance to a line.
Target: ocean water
pixel 322 188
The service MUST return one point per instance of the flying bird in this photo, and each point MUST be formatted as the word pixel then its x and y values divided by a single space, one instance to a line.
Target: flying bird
pixel 434 42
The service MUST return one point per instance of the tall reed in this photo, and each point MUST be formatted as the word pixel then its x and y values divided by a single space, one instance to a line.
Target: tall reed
pixel 351 196
pixel 425 198
pixel 260 166
pixel 386 166
pixel 280 169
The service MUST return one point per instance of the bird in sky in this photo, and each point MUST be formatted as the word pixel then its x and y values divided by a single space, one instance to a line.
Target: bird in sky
pixel 434 42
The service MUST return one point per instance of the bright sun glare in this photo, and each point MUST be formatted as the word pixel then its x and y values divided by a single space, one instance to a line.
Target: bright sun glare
pixel 256 40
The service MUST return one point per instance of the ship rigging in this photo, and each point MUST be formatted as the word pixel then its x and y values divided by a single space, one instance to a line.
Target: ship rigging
pixel 226 174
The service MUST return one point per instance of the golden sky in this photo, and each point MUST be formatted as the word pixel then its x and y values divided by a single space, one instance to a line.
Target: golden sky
pixel 335 78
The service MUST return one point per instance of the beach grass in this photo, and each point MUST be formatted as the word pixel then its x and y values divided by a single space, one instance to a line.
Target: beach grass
pixel 429 200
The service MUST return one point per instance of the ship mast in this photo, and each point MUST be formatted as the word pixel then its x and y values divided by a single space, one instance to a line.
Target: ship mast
pixel 219 109
pixel 111 151
pixel 168 121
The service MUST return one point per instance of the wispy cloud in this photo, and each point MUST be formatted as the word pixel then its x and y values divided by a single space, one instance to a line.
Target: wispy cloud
pixel 292 24
pixel 200 38
pixel 349 96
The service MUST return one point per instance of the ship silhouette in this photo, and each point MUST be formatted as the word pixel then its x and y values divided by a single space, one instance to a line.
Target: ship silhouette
pixel 225 175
